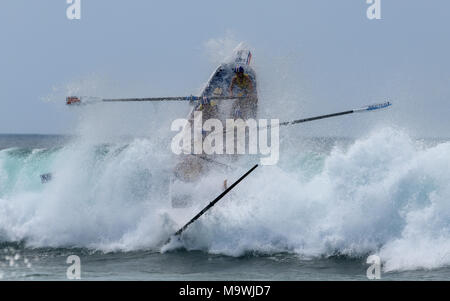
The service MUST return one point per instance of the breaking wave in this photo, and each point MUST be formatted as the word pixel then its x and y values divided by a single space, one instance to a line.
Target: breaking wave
pixel 384 194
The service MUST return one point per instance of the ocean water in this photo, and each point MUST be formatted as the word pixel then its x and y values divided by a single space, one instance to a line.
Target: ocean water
pixel 319 214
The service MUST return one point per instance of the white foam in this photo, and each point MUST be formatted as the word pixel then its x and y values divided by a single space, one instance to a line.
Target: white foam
pixel 384 194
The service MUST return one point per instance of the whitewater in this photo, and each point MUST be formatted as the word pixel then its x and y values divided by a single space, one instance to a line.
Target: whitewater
pixel 384 193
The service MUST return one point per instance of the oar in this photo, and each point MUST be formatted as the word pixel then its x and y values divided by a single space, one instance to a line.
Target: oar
pixel 77 100
pixel 369 108
pixel 210 205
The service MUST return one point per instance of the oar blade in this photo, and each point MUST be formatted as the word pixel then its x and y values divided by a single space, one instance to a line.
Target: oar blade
pixel 374 107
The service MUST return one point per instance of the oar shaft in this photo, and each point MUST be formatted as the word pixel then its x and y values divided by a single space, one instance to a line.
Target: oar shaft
pixel 363 109
pixel 369 108
pixel 145 99
pixel 215 201
pixel 75 100
pixel 316 118
pixel 180 98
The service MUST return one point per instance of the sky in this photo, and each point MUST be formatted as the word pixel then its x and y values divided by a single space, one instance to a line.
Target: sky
pixel 311 56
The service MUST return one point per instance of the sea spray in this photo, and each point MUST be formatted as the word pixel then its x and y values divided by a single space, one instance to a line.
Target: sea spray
pixel 384 193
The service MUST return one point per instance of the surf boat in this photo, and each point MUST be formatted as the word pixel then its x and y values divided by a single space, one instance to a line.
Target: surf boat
pixel 191 167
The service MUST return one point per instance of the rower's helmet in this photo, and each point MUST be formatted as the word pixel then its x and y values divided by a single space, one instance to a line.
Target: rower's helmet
pixel 239 69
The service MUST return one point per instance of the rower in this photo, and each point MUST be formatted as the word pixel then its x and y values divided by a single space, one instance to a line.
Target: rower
pixel 244 108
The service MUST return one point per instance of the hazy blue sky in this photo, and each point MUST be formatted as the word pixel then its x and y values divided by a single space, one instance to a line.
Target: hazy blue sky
pixel 312 56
